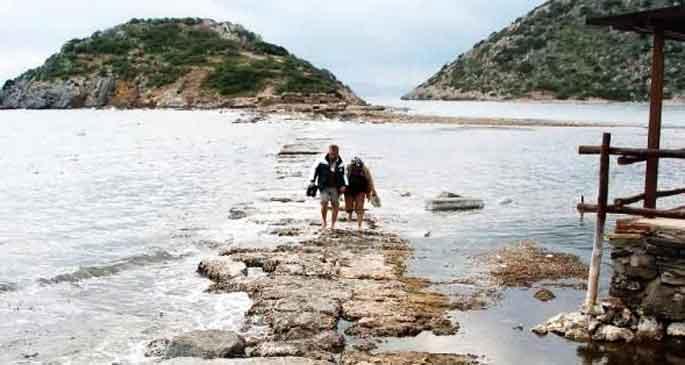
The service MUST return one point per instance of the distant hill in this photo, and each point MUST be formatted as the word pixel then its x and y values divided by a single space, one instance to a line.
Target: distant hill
pixel 170 63
pixel 552 54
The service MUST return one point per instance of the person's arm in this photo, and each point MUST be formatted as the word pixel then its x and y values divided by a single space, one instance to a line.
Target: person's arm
pixel 369 177
pixel 316 172
pixel 345 179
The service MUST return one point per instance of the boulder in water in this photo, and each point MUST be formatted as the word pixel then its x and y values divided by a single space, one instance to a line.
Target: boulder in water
pixel 211 344
pixel 236 214
pixel 544 295
pixel 447 201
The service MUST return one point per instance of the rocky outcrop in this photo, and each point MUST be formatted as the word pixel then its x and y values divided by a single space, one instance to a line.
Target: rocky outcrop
pixel 79 92
pixel 551 53
pixel 177 63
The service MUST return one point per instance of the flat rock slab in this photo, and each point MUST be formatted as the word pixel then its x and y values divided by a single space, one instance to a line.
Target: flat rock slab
pixel 300 149
pixel 310 287
pixel 209 344
pixel 252 361
pixel 454 204
pixel 450 202
pixel 407 358
pixel 221 268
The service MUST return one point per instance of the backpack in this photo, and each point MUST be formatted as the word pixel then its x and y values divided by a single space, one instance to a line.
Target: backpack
pixel 358 180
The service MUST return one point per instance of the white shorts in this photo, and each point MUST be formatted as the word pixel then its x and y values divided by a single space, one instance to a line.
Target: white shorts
pixel 330 195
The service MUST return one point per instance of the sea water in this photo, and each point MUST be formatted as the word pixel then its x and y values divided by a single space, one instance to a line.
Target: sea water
pixel 104 215
pixel 636 114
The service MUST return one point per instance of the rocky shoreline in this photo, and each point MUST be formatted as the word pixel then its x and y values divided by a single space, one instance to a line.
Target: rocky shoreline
pixel 316 106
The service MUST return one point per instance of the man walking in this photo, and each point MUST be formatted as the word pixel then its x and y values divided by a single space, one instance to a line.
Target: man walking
pixel 332 181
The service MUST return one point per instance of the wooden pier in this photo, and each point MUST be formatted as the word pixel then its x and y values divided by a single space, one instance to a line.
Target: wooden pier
pixel 662 24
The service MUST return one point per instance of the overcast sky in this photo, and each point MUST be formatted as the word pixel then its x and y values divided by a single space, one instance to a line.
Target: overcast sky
pixel 379 47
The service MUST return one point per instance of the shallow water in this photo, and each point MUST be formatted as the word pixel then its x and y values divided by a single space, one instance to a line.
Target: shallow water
pixel 616 113
pixel 502 333
pixel 105 215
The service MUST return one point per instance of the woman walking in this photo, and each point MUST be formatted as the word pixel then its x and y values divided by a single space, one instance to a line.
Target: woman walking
pixel 360 187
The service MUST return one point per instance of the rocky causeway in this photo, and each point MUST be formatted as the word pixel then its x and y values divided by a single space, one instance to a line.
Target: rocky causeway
pixel 335 296
pixel 323 300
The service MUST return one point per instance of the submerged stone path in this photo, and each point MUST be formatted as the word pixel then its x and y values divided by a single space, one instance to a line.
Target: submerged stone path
pixel 316 298
pixel 334 297
pixel 325 298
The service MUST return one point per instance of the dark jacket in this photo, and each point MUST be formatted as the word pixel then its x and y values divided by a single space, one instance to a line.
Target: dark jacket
pixel 322 174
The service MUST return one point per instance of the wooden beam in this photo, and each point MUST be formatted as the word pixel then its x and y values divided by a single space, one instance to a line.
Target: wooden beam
pixel 629 160
pixel 597 249
pixel 641 212
pixel 640 197
pixel 634 152
pixel 655 110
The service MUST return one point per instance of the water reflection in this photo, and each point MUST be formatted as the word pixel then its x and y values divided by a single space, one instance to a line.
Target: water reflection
pixel 670 353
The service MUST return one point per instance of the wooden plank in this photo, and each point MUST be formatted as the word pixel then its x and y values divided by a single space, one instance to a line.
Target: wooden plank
pixel 632 226
pixel 629 160
pixel 668 21
pixel 655 110
pixel 597 249
pixel 643 212
pixel 634 152
pixel 640 197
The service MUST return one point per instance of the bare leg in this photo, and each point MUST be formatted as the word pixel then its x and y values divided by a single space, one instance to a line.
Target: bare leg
pixel 349 206
pixel 324 213
pixel 334 218
pixel 359 206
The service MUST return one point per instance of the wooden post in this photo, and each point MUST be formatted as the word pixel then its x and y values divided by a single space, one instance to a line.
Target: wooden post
pixel 655 109
pixel 602 199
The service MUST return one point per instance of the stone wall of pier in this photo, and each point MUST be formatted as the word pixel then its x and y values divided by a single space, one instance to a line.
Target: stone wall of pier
pixel 649 270
pixel 647 295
